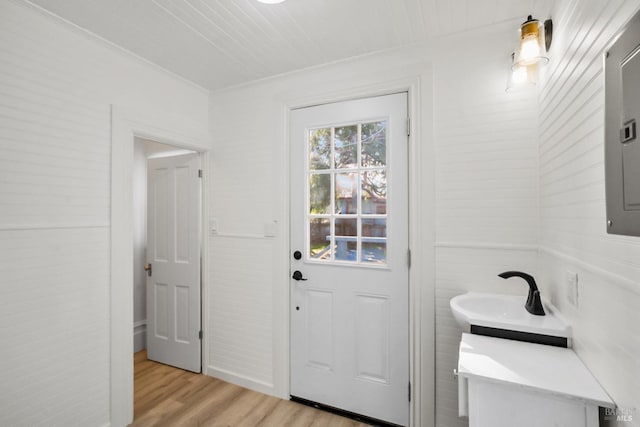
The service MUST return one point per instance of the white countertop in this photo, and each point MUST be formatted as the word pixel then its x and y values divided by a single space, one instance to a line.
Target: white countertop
pixel 543 368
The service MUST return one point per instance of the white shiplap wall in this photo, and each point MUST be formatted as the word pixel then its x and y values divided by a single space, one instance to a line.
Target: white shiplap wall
pixel 572 202
pixel 249 272
pixel 239 350
pixel 56 87
pixel 54 327
pixel 486 187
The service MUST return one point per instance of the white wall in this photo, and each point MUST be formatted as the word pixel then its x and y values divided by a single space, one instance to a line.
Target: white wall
pixel 486 195
pixel 487 199
pixel 519 185
pixel 486 211
pixel 56 86
pixel 510 173
pixel 486 186
pixel 249 272
pixel 572 202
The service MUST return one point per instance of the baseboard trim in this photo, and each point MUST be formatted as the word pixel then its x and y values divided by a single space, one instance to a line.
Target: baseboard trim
pixel 139 335
pixel 241 380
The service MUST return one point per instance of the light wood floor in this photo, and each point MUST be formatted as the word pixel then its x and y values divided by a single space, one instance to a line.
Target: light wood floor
pixel 167 396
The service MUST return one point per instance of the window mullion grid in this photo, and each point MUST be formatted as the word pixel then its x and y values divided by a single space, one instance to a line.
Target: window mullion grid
pixel 307 203
pixel 359 195
pixel 332 218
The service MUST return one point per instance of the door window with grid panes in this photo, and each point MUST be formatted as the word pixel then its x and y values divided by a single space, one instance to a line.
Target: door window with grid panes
pixel 347 193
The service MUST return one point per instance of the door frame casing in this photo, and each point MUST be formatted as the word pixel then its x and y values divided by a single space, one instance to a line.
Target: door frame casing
pixel 125 127
pixel 421 165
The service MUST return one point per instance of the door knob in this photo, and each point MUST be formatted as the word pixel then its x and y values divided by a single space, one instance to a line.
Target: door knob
pixel 149 269
pixel 297 275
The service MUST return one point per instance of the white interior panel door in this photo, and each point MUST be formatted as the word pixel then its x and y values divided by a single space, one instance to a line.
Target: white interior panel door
pixel 173 252
pixel 349 266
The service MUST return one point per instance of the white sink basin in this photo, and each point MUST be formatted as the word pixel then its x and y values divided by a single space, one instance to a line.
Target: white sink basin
pixel 506 312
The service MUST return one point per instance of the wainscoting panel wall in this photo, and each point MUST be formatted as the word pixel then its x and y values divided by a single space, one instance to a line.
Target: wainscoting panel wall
pixel 55 331
pixel 486 188
pixel 249 271
pixel 573 236
pixel 241 332
pixel 56 87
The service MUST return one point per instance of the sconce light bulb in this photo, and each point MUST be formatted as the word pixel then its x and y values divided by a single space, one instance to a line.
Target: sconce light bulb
pixel 529 51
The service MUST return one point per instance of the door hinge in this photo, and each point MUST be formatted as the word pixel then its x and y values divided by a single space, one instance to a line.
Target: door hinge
pixel 199 334
pixel 199 173
pixel 409 391
pixel 408 126
pixel 409 258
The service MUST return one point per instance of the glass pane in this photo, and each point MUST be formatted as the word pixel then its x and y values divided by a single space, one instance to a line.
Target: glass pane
pixel 374 192
pixel 346 227
pixel 346 198
pixel 346 146
pixel 320 193
pixel 347 187
pixel 374 144
pixel 320 149
pixel 374 252
pixel 346 249
pixel 374 227
pixel 319 238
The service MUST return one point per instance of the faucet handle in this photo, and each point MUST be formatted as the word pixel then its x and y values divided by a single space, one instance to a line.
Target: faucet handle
pixel 534 304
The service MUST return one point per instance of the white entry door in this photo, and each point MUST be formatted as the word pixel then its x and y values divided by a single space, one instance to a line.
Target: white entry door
pixel 349 260
pixel 173 254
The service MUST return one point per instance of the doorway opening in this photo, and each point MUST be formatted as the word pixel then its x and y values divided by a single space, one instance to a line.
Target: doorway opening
pixel 167 216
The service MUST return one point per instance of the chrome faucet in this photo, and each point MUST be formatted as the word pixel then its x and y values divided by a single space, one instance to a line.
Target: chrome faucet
pixel 533 304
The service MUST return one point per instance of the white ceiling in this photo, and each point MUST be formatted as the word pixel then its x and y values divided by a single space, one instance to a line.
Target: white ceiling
pixel 221 43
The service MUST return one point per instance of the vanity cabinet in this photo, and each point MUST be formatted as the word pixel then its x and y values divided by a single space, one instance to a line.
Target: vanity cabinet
pixel 505 383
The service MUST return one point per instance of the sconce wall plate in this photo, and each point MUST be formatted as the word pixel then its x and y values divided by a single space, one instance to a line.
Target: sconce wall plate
pixel 548 34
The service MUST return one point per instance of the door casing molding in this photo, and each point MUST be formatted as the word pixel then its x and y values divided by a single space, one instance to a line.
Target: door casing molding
pixel 125 126
pixel 421 243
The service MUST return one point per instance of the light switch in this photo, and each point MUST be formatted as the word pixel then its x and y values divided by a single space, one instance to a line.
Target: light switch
pixel 213 225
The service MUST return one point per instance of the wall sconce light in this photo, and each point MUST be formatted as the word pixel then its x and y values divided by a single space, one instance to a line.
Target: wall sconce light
pixel 534 43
